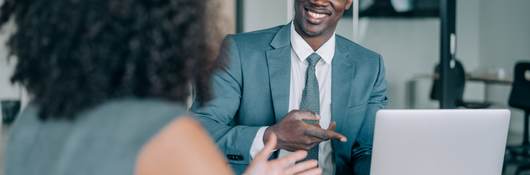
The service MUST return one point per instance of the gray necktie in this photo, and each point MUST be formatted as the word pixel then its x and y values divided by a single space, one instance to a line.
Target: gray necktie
pixel 311 97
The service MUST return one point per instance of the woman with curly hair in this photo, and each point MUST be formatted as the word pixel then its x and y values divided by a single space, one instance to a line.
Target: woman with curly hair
pixel 108 81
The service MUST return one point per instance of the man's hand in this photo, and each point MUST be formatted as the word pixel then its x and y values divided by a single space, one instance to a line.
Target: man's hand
pixel 295 134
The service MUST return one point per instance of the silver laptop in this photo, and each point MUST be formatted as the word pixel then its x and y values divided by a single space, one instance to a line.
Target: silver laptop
pixel 439 142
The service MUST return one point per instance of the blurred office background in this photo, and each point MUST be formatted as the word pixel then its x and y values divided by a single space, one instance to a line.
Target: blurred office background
pixel 492 35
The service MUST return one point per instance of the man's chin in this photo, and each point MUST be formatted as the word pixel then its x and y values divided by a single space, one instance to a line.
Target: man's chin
pixel 313 32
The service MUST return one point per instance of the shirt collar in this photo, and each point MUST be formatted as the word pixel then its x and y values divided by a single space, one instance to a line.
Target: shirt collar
pixel 303 50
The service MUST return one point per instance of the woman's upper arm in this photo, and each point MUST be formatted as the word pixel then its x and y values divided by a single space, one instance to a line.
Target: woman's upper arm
pixel 182 147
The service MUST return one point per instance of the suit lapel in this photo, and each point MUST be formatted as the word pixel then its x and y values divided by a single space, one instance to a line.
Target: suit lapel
pixel 341 82
pixel 342 74
pixel 279 64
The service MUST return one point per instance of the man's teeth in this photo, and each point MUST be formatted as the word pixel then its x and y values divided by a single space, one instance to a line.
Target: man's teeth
pixel 316 15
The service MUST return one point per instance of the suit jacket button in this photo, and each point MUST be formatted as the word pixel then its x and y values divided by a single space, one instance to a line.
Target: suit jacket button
pixel 238 157
pixel 231 157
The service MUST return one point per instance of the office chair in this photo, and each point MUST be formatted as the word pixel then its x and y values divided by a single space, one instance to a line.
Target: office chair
pixel 520 99
pixel 459 78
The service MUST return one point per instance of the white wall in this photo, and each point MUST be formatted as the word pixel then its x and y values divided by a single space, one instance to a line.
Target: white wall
pixel 6 67
pixel 262 14
pixel 505 33
pixel 504 40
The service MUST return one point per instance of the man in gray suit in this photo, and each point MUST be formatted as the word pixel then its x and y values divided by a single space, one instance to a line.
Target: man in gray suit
pixel 315 90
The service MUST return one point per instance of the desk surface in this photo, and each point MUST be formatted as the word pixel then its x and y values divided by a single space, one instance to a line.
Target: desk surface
pixel 490 79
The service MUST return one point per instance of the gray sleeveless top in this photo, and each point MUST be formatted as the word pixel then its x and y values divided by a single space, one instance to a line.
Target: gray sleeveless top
pixel 104 140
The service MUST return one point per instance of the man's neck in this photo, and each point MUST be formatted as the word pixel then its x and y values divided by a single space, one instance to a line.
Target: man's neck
pixel 315 41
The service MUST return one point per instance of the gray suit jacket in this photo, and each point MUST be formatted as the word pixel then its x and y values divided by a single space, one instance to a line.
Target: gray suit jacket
pixel 253 91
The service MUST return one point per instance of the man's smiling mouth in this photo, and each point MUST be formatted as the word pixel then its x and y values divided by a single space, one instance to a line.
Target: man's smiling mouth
pixel 315 17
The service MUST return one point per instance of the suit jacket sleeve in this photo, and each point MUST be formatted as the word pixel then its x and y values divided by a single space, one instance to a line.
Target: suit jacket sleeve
pixel 362 148
pixel 217 115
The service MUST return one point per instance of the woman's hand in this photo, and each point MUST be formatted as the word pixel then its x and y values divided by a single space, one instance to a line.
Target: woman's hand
pixel 287 165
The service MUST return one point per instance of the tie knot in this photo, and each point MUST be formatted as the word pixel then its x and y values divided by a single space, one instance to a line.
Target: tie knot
pixel 313 59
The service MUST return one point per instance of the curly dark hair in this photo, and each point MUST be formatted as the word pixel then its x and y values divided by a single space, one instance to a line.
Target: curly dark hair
pixel 75 54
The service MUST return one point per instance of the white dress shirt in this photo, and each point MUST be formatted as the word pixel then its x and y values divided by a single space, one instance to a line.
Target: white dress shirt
pixel 299 52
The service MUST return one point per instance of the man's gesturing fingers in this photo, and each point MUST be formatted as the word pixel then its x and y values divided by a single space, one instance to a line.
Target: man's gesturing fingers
pixel 325 134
